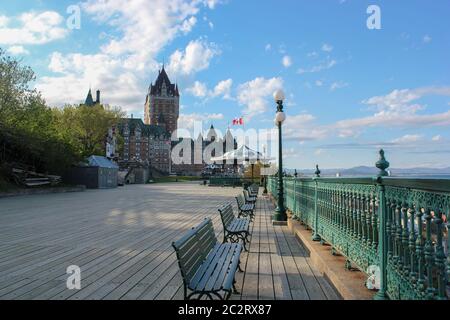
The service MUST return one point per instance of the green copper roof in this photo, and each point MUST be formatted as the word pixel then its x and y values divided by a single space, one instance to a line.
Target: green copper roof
pixel 89 101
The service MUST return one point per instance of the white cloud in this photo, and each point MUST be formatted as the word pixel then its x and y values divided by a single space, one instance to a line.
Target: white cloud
pixel 119 86
pixel 196 57
pixel 268 47
pixel 254 94
pixel 347 133
pixel 330 63
pixel 4 20
pixel 399 100
pixel 386 119
pixel 199 89
pixel 212 3
pixel 427 39
pixel 437 138
pixel 327 48
pixel 146 26
pixel 121 67
pixel 393 100
pixel 18 50
pixel 187 121
pixel 222 89
pixel 286 61
pixel 338 85
pixel 188 24
pixel 319 83
pixel 407 139
pixel 33 28
pixel 319 152
pixel 397 109
pixel 301 128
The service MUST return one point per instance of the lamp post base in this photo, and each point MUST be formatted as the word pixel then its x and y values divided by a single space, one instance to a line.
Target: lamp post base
pixel 280 215
pixel 279 223
pixel 380 296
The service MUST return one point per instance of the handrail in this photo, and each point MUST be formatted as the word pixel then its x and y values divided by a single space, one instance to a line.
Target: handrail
pixel 438 185
pixel 400 225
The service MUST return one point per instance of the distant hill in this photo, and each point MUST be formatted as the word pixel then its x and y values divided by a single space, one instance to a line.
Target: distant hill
pixel 371 171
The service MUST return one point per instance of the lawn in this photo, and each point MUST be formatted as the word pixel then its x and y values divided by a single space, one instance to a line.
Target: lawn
pixel 176 179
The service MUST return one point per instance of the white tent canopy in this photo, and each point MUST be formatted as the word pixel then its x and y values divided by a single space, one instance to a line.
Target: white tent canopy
pixel 242 154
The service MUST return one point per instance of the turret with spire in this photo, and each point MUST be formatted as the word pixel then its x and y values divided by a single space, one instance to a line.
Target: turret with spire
pixel 161 82
pixel 163 98
pixel 90 101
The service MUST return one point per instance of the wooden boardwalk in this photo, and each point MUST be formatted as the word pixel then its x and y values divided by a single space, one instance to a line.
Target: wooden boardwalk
pixel 121 239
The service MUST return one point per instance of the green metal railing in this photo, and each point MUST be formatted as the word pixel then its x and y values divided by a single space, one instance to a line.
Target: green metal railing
pixel 400 225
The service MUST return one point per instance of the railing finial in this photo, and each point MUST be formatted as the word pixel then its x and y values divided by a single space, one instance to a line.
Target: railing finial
pixel 382 164
pixel 317 173
pixel 295 174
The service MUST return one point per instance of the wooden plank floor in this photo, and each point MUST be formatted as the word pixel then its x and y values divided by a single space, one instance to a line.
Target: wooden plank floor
pixel 121 239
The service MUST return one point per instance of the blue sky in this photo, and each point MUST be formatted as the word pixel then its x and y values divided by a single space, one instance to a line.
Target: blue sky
pixel 350 90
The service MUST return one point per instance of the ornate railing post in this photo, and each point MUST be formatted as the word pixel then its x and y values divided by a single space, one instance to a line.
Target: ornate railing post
pixel 440 257
pixel 382 164
pixel 294 205
pixel 448 244
pixel 316 236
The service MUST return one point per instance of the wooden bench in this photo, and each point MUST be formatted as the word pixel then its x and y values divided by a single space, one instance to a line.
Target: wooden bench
pixel 248 198
pixel 245 209
pixel 234 229
pixel 207 267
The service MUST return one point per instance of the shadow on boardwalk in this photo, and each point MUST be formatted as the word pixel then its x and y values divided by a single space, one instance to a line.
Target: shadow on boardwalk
pixel 121 239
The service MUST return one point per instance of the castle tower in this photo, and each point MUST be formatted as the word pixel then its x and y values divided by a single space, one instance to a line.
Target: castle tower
pixel 163 103
pixel 90 100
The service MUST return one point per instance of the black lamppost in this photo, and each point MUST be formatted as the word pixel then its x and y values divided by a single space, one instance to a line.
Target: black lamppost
pixel 264 165
pixel 280 211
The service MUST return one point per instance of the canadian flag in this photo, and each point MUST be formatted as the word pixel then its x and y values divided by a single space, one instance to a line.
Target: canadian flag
pixel 238 121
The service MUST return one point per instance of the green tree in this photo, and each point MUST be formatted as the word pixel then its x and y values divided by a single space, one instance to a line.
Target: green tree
pixel 86 127
pixel 42 138
pixel 15 94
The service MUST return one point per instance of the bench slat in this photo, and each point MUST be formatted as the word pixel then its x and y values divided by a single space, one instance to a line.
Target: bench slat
pixel 206 265
pixel 227 278
pixel 203 274
pixel 222 271
pixel 210 275
pixel 193 248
